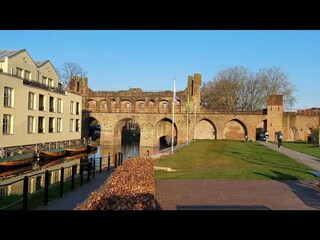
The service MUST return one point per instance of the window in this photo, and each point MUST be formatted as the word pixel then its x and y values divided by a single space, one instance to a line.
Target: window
pixel 127 105
pixel 165 106
pixel 30 124
pixel 142 105
pixel 71 125
pixel 41 125
pixel 77 125
pixel 31 101
pixel 59 107
pixel 41 102
pixel 71 107
pixel 44 80
pixel 59 124
pixel 8 97
pixel 19 72
pixel 50 81
pixel 27 75
pixel 51 104
pixel 77 108
pixel 51 124
pixel 7 124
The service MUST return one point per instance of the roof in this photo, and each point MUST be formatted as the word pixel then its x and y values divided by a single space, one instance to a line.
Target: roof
pixel 8 53
pixel 40 63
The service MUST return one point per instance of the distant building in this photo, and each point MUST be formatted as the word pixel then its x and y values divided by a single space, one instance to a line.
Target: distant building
pixel 34 108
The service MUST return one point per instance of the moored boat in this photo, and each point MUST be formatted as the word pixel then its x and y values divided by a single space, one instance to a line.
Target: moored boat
pixel 92 146
pixel 76 149
pixel 54 152
pixel 17 160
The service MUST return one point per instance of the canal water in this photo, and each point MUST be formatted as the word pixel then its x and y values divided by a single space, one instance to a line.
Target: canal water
pixel 129 149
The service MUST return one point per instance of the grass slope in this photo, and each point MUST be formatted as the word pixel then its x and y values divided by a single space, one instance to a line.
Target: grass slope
pixel 227 159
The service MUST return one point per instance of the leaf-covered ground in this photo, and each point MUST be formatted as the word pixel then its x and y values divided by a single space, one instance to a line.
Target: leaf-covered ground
pixel 129 187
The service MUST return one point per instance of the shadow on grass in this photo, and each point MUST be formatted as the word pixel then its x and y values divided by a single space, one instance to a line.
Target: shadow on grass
pixel 306 193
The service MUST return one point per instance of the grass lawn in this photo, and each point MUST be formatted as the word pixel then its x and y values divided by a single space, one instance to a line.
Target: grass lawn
pixel 227 159
pixel 303 147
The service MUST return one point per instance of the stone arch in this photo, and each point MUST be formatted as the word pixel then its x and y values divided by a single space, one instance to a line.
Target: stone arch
pixel 117 131
pixel 164 106
pixel 261 128
pixel 151 105
pixel 163 132
pixel 125 105
pixel 92 105
pixel 113 105
pixel 92 127
pixel 140 106
pixel 103 106
pixel 206 129
pixel 235 130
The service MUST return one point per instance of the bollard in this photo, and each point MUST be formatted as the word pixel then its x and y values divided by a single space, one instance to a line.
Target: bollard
pixel 46 188
pixel 119 159
pixel 61 181
pixel 108 161
pixel 73 173
pixel 25 193
pixel 88 170
pixel 94 167
pixel 81 174
pixel 100 165
pixel 115 160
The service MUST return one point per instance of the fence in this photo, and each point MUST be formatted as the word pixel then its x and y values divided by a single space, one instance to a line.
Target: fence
pixel 41 183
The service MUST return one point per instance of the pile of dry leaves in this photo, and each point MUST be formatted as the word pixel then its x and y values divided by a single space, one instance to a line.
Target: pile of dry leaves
pixel 129 187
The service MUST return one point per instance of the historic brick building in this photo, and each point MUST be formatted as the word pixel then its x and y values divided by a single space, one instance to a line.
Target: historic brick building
pixel 152 111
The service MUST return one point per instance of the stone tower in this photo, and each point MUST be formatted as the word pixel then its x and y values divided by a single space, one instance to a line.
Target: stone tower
pixel 194 90
pixel 274 117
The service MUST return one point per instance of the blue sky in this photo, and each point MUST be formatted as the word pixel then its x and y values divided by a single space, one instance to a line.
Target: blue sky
pixel 151 59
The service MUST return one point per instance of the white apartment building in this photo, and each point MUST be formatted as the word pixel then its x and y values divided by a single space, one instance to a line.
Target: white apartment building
pixel 34 108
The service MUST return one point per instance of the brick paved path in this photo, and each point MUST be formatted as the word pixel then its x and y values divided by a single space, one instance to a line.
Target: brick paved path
pixel 236 195
pixel 242 194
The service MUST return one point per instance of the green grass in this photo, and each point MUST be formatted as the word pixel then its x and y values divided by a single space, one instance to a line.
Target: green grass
pixel 35 200
pixel 227 159
pixel 303 147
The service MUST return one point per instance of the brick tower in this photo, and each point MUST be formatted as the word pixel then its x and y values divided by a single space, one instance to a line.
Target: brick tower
pixel 274 117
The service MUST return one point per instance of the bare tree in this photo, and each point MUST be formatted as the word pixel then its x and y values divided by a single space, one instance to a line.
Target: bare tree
pixel 69 70
pixel 275 81
pixel 237 88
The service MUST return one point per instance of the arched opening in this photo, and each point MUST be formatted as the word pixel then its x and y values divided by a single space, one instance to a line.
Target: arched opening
pixel 206 130
pixel 164 133
pixel 103 106
pixel 261 129
pixel 94 129
pixel 92 105
pixel 235 130
pixel 127 131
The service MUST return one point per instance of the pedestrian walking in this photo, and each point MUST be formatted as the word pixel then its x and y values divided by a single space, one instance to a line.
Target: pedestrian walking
pixel 279 139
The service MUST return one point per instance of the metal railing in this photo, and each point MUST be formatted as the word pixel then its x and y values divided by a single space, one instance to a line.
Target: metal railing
pixel 58 178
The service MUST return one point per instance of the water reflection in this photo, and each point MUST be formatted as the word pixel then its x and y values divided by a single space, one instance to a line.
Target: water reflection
pixel 128 150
